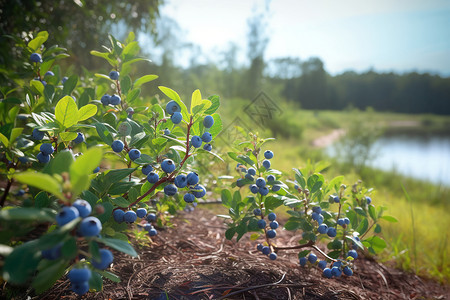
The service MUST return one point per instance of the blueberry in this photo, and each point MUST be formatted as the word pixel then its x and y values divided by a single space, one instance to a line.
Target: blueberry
pixel 199 191
pixel 347 271
pixel 335 271
pixel 266 164
pixel 327 273
pixel 37 134
pixel 176 118
pixel 312 258
pixel 257 212
pixel 79 138
pixel 207 147
pixel 317 209
pixel 320 219
pixel 172 107
pixel 36 57
pixel 90 226
pixel 49 73
pixel 273 256
pixel 334 198
pixel 192 178
pixel 196 141
pixel 276 188
pixel 240 182
pixel 331 232
pixel 43 158
pixel 263 190
pixel 152 232
pixel 180 181
pixel 118 215
pixel 322 264
pixel 106 99
pixel 208 121
pixel 303 261
pixel 153 177
pixel 270 178
pixel 130 216
pixel 47 148
pixel 151 217
pixel 168 166
pixel 23 159
pixel 272 216
pixel 206 137
pixel 117 146
pixel 141 212
pixel 353 253
pixel 273 224
pixel 337 264
pixel 340 222
pixel 66 214
pixel 64 79
pixel 114 75
pixel 170 190
pixel 130 111
pixel 251 171
pixel 265 250
pixel 20 193
pixel 259 247
pixel 134 154
pixel 314 216
pixel 106 258
pixel 79 275
pixel 347 221
pixel 260 182
pixel 368 200
pixel 189 198
pixel 271 233
pixel 261 224
pixel 268 154
pixel 166 131
pixel 322 229
pixel 83 207
pixel 249 177
pixel 254 188
pixel 147 169
pixel 115 99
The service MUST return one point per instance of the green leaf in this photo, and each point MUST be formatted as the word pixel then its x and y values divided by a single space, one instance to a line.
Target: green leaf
pixel 144 79
pixel 119 245
pixel 27 214
pixel 110 276
pixel 196 99
pixel 230 233
pixel 215 103
pixel 49 92
pixel 363 226
pixel 68 136
pixel 38 86
pixel 335 183
pixel 66 112
pixel 108 56
pixel 377 228
pixel 300 179
pixel 271 202
pixel 132 49
pixel 86 112
pixel 120 202
pixel 15 132
pixel 226 198
pixel 96 282
pixel 61 163
pixel 114 176
pixel 21 263
pixel 247 160
pixel 104 133
pixel 69 249
pixel 42 181
pixel 174 96
pixel 360 211
pixel 4 140
pixel 389 219
pixel 83 167
pixel 133 95
pixel 37 42
pixel 70 85
pixel 217 126
pixel 292 225
pixel 372 213
pixel 125 84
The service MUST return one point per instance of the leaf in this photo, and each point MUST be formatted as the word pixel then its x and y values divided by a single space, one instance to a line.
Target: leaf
pixel 215 103
pixel 133 95
pixel 131 49
pixel 271 202
pixel 372 213
pixel 27 214
pixel 42 181
pixel 247 160
pixel 217 126
pixel 174 96
pixel 119 245
pixel 111 276
pixel 196 99
pixel 104 133
pixel 70 85
pixel 335 183
pixel 144 79
pixel 363 226
pixel 389 219
pixel 226 198
pixel 68 136
pixel 120 202
pixel 230 233
pixel 86 112
pixel 38 86
pixel 360 211
pixel 292 225
pixel 4 140
pixel 81 168
pixel 66 112
pixel 48 276
pixel 21 263
pixel 15 132
pixel 114 176
pixel 96 282
pixel 37 42
pixel 69 250
pixel 61 163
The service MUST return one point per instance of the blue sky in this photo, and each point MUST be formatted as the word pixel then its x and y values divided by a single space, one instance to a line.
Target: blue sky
pixel 397 35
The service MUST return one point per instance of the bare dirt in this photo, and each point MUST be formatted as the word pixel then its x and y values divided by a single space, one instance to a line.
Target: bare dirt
pixel 193 260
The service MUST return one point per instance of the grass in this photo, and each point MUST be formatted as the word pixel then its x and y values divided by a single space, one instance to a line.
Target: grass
pixel 419 241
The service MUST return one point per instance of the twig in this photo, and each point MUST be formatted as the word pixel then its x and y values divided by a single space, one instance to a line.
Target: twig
pixel 309 244
pixel 5 194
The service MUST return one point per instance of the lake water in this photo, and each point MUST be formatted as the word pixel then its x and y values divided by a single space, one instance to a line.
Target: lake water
pixel 425 157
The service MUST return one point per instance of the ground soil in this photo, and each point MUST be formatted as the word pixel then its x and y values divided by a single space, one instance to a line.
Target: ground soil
pixel 193 260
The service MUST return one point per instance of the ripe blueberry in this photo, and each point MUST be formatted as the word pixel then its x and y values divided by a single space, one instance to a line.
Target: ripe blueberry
pixel 331 232
pixel 180 181
pixel 106 99
pixel 115 99
pixel 37 134
pixel 196 141
pixel 168 166
pixel 312 258
pixel 118 215
pixel 251 171
pixel 263 190
pixel 208 121
pixel 260 182
pixel 170 190
pixel 66 214
pixel 114 75
pixel 79 138
pixel 276 188
pixel 261 224
pixel 189 198
pixel 90 226
pixel 199 191
pixel 254 188
pixel 79 275
pixel 266 164
pixel 303 261
pixel 147 169
pixel 172 107
pixel 130 216
pixel 134 154
pixel 271 233
pixel 206 137
pixel 43 158
pixel 176 117
pixel 207 147
pixel 106 258
pixel 347 271
pixel 327 273
pixel 270 178
pixel 273 256
pixel 46 148
pixel 273 224
pixel 272 216
pixel 141 212
pixel 117 146
pixel 257 211
pixel 322 229
pixel 353 253
pixel 151 217
pixel 83 207
pixel 322 264
pixel 268 154
pixel 192 178
pixel 36 57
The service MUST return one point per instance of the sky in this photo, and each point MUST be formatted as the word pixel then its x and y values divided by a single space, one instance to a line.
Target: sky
pixel 383 35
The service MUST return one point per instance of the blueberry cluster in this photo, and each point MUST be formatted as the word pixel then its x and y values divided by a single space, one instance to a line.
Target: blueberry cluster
pixel 266 251
pixel 270 231
pixel 261 185
pixel 335 269
pixel 131 216
pixel 89 227
pixel 46 150
pixel 108 99
pixel 196 141
pixel 174 110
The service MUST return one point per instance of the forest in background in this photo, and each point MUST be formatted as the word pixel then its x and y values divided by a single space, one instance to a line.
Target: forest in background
pixel 304 82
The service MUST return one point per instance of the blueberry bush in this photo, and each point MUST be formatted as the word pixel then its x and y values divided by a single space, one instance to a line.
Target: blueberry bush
pixel 342 218
pixel 86 159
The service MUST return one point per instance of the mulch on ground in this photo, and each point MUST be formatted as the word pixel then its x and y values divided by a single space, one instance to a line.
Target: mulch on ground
pixel 193 260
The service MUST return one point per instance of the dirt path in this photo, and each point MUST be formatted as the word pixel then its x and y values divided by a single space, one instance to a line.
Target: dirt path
pixel 328 139
pixel 195 261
